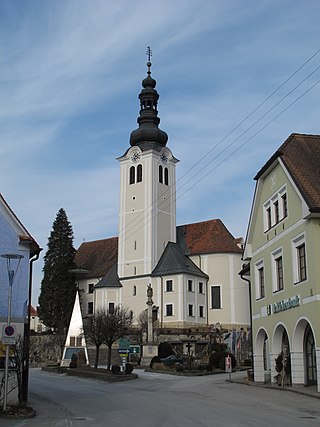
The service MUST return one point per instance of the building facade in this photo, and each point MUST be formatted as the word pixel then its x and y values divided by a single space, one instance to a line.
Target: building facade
pixel 193 269
pixel 17 249
pixel 282 249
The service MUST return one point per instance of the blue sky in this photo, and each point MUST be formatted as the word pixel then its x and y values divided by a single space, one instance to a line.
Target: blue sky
pixel 71 73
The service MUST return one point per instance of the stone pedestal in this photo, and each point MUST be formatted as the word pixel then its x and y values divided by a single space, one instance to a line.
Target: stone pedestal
pixel 149 351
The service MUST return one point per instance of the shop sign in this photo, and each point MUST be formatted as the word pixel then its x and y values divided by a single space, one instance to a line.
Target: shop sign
pixel 286 304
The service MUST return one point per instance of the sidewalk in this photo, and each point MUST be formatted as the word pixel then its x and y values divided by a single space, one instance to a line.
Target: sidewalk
pixel 310 391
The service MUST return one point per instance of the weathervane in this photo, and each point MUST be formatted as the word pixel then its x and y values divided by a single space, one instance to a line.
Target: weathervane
pixel 149 54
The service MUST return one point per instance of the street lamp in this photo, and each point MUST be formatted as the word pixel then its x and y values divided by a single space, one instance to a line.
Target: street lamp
pixel 11 275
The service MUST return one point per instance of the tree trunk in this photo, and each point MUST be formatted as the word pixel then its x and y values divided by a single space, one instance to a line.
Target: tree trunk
pixel 109 357
pixel 96 360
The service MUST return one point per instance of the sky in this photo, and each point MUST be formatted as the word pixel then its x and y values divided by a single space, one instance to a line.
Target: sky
pixel 235 79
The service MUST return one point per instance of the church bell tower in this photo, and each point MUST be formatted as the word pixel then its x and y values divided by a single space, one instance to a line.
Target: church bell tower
pixel 147 215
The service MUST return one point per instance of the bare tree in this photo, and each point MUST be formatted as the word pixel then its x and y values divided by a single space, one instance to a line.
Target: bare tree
pixel 116 325
pixel 95 332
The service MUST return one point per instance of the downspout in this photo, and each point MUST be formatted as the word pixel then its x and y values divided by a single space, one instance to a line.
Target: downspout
pixel 250 313
pixel 26 346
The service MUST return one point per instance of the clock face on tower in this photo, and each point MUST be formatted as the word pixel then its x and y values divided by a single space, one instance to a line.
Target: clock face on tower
pixel 135 156
pixel 164 157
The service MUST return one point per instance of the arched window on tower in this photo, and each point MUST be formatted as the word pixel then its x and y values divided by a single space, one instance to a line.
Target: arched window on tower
pixel 139 173
pixel 166 176
pixel 132 175
pixel 160 174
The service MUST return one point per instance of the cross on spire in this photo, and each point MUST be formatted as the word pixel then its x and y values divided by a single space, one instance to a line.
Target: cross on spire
pixel 149 53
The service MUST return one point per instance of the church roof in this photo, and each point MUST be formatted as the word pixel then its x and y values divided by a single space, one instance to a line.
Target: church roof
pixel 174 261
pixel 110 280
pixel 97 257
pixel 207 237
pixel 300 154
pixel 100 257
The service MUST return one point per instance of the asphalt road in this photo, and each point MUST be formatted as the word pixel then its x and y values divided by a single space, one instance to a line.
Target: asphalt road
pixel 160 400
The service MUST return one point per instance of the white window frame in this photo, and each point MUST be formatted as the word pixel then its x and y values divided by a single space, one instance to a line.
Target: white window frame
pixel 295 245
pixel 258 265
pixel 202 285
pixel 192 310
pixel 201 306
pixel 169 315
pixel 274 256
pixel 192 285
pixel 271 203
pixel 211 305
pixel 170 280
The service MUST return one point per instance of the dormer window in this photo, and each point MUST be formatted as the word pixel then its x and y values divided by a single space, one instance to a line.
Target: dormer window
pixel 275 209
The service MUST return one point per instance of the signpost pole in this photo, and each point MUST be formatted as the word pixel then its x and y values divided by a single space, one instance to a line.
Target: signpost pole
pixel 11 274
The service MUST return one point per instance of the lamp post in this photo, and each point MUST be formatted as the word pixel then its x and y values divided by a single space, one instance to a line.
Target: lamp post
pixel 11 275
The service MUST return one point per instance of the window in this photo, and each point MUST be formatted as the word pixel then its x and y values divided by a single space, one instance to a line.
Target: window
pixel 169 287
pixel 111 307
pixel 160 174
pixel 166 176
pixel 279 273
pixel 90 308
pixel 268 213
pixel 299 259
pixel 261 282
pixel 169 310
pixel 72 341
pixel 134 271
pixel 215 297
pixel 284 205
pixel 139 173
pixel 201 289
pixel 90 288
pixel 135 245
pixel 201 311
pixel 190 310
pixel 132 175
pixel 134 290
pixel 190 285
pixel 78 341
pixel 302 268
pixel 275 209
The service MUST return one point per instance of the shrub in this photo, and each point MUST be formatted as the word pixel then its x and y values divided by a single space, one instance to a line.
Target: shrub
pixel 164 350
pixel 115 369
pixel 129 368
pixel 155 359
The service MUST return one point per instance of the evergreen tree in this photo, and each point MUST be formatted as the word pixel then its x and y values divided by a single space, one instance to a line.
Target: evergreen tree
pixel 58 287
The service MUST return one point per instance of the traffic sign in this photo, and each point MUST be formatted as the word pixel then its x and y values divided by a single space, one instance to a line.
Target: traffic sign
pixel 9 334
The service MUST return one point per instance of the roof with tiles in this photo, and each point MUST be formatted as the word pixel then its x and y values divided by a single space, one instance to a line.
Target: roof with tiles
pixel 207 237
pixel 97 257
pixel 174 261
pixel 300 154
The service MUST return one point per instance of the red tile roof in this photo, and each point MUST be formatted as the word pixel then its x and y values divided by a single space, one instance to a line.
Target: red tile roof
pixel 208 237
pixel 97 257
pixel 300 154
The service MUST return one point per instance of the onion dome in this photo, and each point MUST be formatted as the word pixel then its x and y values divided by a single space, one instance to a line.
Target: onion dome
pixel 148 135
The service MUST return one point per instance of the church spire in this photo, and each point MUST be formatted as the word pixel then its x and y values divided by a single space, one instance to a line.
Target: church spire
pixel 148 135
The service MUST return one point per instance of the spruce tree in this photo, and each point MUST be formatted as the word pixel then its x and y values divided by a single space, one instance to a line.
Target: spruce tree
pixel 58 285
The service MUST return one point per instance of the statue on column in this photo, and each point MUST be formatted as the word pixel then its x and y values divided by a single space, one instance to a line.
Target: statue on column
pixel 150 304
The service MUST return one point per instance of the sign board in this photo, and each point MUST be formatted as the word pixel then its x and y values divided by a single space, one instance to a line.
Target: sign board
pixel 9 334
pixel 134 349
pixel 124 343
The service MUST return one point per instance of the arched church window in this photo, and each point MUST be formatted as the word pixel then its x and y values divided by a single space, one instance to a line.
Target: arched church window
pixel 139 173
pixel 132 175
pixel 166 176
pixel 160 174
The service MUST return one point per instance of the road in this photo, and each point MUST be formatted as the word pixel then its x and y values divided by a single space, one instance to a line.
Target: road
pixel 161 400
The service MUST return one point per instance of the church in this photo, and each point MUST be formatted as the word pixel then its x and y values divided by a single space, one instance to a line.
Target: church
pixel 193 268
